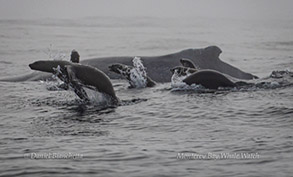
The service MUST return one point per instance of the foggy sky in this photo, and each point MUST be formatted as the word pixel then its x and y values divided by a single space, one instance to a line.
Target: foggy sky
pixel 243 9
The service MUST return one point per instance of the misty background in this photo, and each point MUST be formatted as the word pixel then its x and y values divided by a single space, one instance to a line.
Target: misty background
pixel 234 9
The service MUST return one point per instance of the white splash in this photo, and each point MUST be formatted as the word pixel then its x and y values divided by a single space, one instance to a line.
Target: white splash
pixel 55 55
pixel 281 74
pixel 138 75
pixel 52 85
pixel 177 80
pixel 98 98
pixel 56 84
pixel 177 83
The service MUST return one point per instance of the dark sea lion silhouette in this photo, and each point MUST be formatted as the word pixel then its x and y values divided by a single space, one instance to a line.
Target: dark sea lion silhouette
pixel 210 79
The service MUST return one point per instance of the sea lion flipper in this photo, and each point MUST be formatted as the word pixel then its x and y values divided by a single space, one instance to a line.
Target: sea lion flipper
pixel 75 84
pixel 70 73
pixel 150 82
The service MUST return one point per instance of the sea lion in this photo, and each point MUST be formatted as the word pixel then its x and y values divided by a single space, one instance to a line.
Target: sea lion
pixel 125 71
pixel 187 63
pixel 159 66
pixel 78 76
pixel 210 79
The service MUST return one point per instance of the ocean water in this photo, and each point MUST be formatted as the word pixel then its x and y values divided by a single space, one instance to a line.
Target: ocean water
pixel 164 132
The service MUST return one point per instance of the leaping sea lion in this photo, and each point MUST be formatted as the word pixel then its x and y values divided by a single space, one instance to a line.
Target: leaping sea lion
pixel 78 76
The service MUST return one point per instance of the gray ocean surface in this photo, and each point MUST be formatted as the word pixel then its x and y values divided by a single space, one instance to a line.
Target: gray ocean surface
pixel 184 133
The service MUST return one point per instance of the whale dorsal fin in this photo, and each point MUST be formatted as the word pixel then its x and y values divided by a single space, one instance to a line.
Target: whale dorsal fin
pixel 213 51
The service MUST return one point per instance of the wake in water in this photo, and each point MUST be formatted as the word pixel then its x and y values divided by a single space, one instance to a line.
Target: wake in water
pixel 281 74
pixel 277 79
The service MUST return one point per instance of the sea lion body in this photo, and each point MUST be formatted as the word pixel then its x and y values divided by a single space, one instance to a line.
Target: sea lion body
pixel 92 77
pixel 210 79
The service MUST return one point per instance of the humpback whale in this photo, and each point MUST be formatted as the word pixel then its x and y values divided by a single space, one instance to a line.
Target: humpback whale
pixel 158 67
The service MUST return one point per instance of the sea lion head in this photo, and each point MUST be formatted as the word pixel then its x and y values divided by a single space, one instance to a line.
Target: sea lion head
pixel 41 65
pixel 50 66
pixel 119 68
pixel 74 58
pixel 187 63
pixel 183 71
